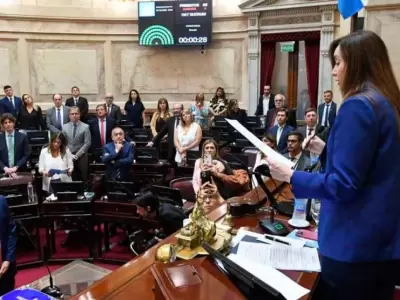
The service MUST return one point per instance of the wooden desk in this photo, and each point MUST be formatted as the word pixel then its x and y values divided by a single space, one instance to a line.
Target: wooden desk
pixel 135 277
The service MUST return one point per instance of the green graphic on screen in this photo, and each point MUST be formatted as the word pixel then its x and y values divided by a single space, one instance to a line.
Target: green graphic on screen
pixel 156 35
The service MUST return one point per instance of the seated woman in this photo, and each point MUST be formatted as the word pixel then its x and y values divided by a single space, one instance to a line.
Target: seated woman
pixel 159 118
pixel 219 102
pixel 211 168
pixel 187 136
pixel 30 116
pixel 56 156
pixel 270 141
pixel 234 112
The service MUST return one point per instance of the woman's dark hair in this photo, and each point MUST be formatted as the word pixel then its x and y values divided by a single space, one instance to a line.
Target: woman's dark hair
pixel 161 100
pixel 137 93
pixel 214 99
pixel 231 103
pixel 63 146
pixel 367 64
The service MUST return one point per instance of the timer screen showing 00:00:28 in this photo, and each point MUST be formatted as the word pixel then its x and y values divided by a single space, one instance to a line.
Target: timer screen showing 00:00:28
pixel 193 40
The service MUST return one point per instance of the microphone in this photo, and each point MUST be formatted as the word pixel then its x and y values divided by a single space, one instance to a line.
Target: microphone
pixel 318 131
pixel 51 290
pixel 312 167
pixel 143 154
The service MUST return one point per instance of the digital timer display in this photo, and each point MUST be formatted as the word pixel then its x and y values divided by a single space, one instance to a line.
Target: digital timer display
pixel 167 23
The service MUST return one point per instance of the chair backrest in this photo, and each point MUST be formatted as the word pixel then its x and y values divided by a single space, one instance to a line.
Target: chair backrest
pixel 185 185
pixel 251 153
pixel 144 134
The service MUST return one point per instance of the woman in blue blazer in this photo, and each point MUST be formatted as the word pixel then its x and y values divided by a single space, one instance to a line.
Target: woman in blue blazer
pixel 359 228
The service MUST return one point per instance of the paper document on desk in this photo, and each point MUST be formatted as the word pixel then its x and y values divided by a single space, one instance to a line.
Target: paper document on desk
pixel 281 256
pixel 259 144
pixel 275 279
pixel 292 242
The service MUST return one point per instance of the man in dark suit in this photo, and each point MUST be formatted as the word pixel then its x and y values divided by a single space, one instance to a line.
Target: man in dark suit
pixel 100 128
pixel 265 102
pixel 295 153
pixel 169 128
pixel 57 116
pixel 272 113
pixel 113 110
pixel 14 147
pixel 8 241
pixel 327 110
pixel 118 157
pixel 312 127
pixel 10 103
pixel 81 102
pixel 281 131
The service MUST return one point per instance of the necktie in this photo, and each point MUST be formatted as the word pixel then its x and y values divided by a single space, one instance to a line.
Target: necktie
pixel 76 101
pixel 326 124
pixel 11 150
pixel 176 122
pixel 59 125
pixel 109 110
pixel 278 134
pixel 12 102
pixel 118 174
pixel 74 131
pixel 102 135
pixel 310 131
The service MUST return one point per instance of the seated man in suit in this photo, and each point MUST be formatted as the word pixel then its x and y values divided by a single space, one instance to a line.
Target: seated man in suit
pixel 10 103
pixel 118 157
pixel 295 152
pixel 81 102
pixel 272 113
pixel 78 141
pixel 169 130
pixel 8 241
pixel 100 128
pixel 265 102
pixel 14 147
pixel 113 110
pixel 57 116
pixel 281 131
pixel 327 110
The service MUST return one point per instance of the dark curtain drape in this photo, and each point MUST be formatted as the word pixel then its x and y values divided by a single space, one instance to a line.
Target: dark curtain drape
pixel 312 63
pixel 267 63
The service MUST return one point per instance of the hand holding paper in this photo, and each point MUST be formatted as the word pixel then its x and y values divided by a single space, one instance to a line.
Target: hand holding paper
pixel 313 144
pixel 279 170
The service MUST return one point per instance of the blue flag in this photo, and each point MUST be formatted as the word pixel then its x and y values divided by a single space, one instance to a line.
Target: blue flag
pixel 347 8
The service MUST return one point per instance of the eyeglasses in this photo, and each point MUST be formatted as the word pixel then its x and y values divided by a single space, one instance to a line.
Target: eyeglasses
pixel 118 133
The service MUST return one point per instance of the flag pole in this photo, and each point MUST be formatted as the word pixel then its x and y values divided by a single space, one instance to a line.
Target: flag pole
pixel 353 24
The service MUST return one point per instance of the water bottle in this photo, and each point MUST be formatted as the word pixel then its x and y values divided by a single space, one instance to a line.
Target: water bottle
pixel 299 214
pixel 30 192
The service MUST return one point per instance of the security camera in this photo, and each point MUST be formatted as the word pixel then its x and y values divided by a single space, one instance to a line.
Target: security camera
pixel 202 51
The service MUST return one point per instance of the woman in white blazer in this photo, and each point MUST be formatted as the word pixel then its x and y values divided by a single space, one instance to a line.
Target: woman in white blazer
pixel 55 156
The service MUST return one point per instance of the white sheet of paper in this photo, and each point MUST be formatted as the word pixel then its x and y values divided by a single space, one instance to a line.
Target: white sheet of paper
pixel 281 256
pixel 241 233
pixel 268 151
pixel 279 281
pixel 292 242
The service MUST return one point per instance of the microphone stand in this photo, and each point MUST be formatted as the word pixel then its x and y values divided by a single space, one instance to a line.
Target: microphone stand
pixel 51 290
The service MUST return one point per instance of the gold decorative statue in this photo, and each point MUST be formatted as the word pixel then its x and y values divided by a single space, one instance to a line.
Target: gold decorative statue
pixel 200 230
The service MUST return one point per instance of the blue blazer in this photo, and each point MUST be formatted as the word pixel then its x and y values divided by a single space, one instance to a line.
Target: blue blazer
pixel 7 107
pixel 8 235
pixel 21 150
pixel 282 145
pixel 360 186
pixel 331 114
pixel 121 161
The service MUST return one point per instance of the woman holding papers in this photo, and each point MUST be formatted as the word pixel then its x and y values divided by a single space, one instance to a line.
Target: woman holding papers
pixel 55 161
pixel 359 228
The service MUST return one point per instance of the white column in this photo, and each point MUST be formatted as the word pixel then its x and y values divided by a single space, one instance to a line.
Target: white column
pixel 254 42
pixel 325 67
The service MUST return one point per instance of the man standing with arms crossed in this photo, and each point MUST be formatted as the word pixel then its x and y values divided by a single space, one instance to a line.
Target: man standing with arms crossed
pixel 8 244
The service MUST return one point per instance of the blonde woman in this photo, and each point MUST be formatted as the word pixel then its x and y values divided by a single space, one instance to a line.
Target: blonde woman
pixel 187 136
pixel 159 118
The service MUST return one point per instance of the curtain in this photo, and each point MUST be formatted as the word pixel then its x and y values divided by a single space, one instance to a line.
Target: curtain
pixel 267 63
pixel 312 63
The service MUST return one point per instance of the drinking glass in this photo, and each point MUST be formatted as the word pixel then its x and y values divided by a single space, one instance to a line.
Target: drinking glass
pixel 315 210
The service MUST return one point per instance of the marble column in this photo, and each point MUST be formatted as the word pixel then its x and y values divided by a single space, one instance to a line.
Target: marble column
pixel 325 68
pixel 254 43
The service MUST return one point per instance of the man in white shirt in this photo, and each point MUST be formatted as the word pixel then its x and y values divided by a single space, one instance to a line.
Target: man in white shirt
pixel 327 110
pixel 295 153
